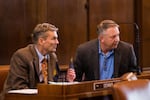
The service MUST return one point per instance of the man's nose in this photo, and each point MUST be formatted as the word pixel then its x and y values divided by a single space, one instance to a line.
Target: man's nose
pixel 117 38
pixel 57 41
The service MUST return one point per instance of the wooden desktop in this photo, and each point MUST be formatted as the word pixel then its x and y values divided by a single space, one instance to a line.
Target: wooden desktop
pixel 91 90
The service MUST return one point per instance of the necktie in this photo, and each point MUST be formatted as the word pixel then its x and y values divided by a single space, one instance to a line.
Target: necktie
pixel 105 64
pixel 44 70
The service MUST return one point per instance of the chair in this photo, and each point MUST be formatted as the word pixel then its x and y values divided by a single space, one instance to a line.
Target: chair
pixel 3 74
pixel 132 90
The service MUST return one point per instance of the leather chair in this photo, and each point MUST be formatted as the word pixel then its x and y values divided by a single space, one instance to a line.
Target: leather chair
pixel 3 74
pixel 132 90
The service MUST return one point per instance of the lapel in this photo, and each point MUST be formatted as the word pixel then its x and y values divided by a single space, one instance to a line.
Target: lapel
pixel 35 59
pixel 51 66
pixel 52 58
pixel 36 65
pixel 95 59
pixel 117 58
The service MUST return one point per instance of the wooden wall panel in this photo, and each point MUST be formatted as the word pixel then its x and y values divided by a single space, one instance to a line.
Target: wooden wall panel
pixel 35 12
pixel 11 27
pixel 76 23
pixel 18 18
pixel 121 11
pixel 145 33
pixel 70 17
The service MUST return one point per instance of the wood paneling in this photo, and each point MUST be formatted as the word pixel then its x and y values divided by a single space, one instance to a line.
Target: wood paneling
pixel 76 23
pixel 70 17
pixel 35 12
pixel 120 11
pixel 11 28
pixel 18 18
pixel 145 33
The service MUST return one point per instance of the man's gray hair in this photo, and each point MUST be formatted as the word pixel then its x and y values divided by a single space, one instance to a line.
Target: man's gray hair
pixel 41 29
pixel 105 24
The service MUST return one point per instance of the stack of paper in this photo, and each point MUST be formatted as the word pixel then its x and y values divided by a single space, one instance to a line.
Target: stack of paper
pixel 24 91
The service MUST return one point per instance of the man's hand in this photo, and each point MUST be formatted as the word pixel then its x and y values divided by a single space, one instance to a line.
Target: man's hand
pixel 71 74
pixel 129 76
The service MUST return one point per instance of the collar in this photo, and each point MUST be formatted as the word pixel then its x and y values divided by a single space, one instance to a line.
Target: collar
pixel 101 52
pixel 41 57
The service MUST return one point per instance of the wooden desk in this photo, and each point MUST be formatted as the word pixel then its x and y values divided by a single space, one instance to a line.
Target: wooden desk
pixel 76 91
pixel 91 90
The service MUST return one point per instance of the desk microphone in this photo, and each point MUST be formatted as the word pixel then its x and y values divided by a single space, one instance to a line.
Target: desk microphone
pixel 136 44
pixel 71 65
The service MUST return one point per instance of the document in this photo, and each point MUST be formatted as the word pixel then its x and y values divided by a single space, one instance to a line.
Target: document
pixel 24 91
pixel 63 83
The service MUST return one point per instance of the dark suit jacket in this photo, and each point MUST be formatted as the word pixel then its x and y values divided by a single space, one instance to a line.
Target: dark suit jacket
pixel 87 60
pixel 24 69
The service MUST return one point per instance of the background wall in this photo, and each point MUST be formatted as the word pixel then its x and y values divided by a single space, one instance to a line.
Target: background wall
pixel 145 32
pixel 76 20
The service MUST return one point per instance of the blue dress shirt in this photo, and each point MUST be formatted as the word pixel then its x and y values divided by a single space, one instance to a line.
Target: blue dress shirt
pixel 106 64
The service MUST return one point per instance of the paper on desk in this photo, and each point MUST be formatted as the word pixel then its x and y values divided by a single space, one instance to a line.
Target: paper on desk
pixel 63 83
pixel 24 91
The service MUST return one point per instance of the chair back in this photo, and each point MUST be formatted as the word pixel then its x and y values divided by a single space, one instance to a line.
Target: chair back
pixel 132 90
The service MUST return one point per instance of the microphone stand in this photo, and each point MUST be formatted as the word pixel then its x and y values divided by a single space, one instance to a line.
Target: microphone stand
pixel 137 47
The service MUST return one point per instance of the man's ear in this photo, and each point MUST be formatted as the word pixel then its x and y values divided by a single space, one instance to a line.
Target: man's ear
pixel 41 41
pixel 101 38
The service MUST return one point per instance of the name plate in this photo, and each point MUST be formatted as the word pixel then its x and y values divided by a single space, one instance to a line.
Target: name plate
pixel 104 84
